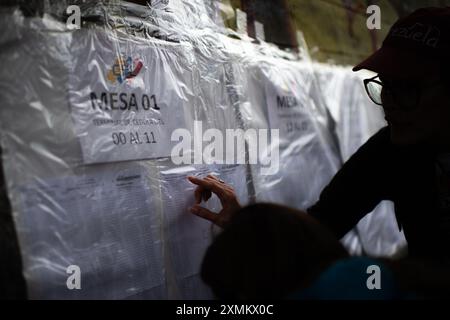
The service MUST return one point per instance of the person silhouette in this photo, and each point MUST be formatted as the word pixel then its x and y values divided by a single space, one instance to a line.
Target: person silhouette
pixel 406 161
pixel 272 251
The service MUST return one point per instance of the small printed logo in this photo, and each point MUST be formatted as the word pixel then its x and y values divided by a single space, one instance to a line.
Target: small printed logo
pixel 124 69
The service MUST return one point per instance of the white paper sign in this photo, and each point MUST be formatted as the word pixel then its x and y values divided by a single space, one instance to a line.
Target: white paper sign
pixel 125 96
pixel 287 107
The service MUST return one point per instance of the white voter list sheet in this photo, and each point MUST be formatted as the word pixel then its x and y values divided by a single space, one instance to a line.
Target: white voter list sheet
pixel 187 235
pixel 104 223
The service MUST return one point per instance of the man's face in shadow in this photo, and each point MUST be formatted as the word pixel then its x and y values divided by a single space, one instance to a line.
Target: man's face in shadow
pixel 417 109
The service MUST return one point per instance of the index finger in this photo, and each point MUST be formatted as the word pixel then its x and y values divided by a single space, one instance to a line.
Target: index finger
pixel 212 185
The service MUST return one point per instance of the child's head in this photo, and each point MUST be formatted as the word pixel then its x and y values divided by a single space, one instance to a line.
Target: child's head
pixel 268 251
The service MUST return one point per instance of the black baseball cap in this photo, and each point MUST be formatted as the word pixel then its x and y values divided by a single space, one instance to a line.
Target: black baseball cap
pixel 414 45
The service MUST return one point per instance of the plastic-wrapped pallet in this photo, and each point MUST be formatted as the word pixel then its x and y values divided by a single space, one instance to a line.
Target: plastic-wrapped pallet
pixel 357 120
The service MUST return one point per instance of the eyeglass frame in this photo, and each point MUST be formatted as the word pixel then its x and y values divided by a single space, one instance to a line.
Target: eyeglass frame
pixel 391 92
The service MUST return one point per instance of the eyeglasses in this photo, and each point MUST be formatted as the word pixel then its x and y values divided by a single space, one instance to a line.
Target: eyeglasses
pixel 406 95
pixel 374 88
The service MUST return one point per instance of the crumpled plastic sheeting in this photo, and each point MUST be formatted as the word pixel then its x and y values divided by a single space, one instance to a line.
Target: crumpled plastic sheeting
pixel 357 120
pixel 101 218
pixel 187 237
pixel 308 157
pixel 119 216
pixel 125 224
pixel 119 248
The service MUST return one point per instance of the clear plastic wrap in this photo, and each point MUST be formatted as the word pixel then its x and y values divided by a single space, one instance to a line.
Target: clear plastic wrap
pixel 103 218
pixel 86 125
pixel 277 95
pixel 79 199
